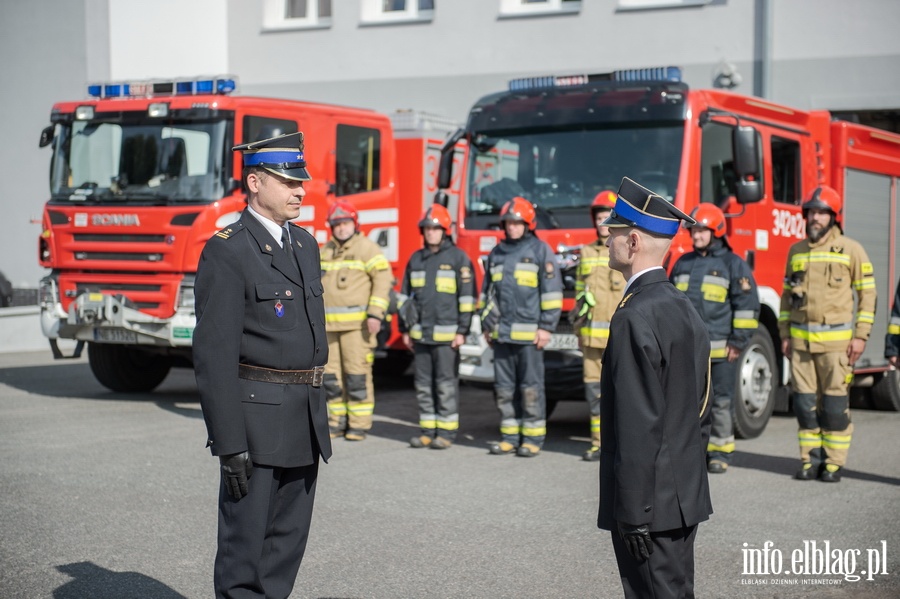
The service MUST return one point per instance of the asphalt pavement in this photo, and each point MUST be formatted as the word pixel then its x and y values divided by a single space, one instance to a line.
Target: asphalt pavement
pixel 113 496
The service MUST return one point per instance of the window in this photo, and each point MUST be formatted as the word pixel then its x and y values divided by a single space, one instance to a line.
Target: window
pixel 648 4
pixel 358 161
pixel 279 15
pixel 717 176
pixel 257 128
pixel 517 8
pixel 786 170
pixel 394 11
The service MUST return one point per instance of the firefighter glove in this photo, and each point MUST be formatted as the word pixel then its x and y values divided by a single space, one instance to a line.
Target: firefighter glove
pixel 589 301
pixel 637 540
pixel 236 471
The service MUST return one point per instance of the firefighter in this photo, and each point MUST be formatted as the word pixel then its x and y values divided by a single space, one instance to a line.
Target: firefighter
pixel 522 299
pixel 598 292
pixel 721 287
pixel 820 335
pixel 892 339
pixel 437 298
pixel 357 280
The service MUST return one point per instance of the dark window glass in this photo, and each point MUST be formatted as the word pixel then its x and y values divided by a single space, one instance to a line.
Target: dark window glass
pixel 260 127
pixel 358 160
pixel 785 170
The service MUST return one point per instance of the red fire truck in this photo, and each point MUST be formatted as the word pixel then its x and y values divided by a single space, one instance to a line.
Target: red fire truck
pixel 558 141
pixel 142 174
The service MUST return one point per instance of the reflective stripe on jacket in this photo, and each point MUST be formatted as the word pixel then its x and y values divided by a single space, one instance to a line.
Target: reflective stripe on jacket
pixel 605 285
pixel 357 280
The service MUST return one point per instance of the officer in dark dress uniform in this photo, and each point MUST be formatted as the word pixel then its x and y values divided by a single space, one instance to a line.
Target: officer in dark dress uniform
pixel 259 355
pixel 654 406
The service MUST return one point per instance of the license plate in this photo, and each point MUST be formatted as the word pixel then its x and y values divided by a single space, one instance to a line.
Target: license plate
pixel 115 336
pixel 562 341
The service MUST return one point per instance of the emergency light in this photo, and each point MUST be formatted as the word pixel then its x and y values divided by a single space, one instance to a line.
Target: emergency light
pixel 223 84
pixel 670 74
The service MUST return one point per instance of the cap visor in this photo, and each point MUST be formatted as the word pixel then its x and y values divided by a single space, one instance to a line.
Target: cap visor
pixel 295 174
pixel 614 221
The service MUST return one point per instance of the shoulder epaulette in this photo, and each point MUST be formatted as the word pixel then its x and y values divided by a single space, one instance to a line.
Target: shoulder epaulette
pixel 625 299
pixel 230 230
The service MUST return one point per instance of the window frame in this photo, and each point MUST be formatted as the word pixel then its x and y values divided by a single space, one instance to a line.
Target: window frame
pixel 372 13
pixel 628 5
pixel 515 8
pixel 275 19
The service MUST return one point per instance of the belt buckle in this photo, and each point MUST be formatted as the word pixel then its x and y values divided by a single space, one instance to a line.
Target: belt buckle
pixel 318 376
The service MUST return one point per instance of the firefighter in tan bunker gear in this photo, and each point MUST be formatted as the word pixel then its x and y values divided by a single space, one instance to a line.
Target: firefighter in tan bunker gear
pixel 598 292
pixel 820 334
pixel 357 280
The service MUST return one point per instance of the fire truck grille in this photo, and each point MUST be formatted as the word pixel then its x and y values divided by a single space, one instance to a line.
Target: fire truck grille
pixel 119 256
pixel 109 287
pixel 119 238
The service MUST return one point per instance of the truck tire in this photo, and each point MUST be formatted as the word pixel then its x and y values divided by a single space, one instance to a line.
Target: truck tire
pixel 754 389
pixel 126 369
pixel 886 392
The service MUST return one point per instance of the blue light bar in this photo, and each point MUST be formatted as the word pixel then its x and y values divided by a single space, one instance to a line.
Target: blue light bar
pixel 672 74
pixel 223 84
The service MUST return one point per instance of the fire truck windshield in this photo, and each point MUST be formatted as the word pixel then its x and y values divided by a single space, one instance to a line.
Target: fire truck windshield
pixel 565 170
pixel 138 162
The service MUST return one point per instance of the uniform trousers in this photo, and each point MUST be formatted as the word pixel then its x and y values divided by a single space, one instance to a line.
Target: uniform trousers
pixel 667 573
pixel 821 385
pixel 437 389
pixel 519 391
pixel 721 440
pixel 348 379
pixel 593 366
pixel 262 536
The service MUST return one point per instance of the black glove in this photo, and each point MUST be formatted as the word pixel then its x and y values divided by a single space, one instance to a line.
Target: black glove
pixel 637 540
pixel 236 470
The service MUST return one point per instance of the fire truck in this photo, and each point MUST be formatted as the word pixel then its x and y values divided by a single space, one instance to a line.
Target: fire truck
pixel 142 175
pixel 559 140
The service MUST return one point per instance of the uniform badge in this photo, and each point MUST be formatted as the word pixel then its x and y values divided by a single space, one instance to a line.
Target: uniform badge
pixel 287 292
pixel 550 270
pixel 279 309
pixel 268 248
pixel 745 284
pixel 625 299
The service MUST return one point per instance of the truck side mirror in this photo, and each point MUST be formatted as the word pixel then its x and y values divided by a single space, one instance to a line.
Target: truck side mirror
pixel 46 136
pixel 745 148
pixel 445 167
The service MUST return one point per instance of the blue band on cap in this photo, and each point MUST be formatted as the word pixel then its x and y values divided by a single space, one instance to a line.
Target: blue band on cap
pixel 645 221
pixel 263 158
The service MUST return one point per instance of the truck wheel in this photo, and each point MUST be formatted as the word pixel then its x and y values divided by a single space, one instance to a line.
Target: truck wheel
pixel 126 369
pixel 886 392
pixel 754 391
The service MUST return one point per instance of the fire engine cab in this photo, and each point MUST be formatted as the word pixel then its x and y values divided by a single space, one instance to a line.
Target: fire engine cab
pixel 142 175
pixel 558 141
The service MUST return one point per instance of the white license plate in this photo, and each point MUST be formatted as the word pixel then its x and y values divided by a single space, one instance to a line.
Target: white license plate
pixel 115 336
pixel 562 341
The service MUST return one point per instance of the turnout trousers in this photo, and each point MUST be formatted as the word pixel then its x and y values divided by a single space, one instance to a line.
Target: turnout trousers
pixel 592 367
pixel 669 571
pixel 262 536
pixel 821 385
pixel 348 380
pixel 519 392
pixel 721 437
pixel 437 389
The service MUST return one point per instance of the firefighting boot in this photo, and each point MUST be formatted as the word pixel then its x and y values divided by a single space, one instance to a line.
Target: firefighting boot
pixel 501 448
pixel 420 441
pixel 592 454
pixel 528 450
pixel 831 473
pixel 440 443
pixel 807 472
pixel 716 467
pixel 354 434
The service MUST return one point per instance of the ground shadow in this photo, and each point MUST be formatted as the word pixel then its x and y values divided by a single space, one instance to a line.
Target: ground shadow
pixel 788 466
pixel 96 582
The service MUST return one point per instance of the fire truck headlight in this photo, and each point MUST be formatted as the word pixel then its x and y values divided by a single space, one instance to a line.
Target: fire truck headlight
pixel 158 110
pixel 84 113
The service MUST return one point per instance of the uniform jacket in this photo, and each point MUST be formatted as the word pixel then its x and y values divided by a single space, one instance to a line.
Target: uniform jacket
pixel 817 301
pixel 723 291
pixel 253 307
pixel 605 285
pixel 654 410
pixel 442 287
pixel 357 279
pixel 524 281
pixel 892 339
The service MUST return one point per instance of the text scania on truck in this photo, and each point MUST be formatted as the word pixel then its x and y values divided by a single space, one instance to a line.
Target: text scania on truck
pixel 558 141
pixel 142 174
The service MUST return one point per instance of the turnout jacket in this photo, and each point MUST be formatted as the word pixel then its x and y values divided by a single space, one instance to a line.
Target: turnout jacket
pixel 654 410
pixel 820 280
pixel 253 307
pixel 892 339
pixel 441 285
pixel 605 285
pixel 357 280
pixel 723 291
pixel 522 281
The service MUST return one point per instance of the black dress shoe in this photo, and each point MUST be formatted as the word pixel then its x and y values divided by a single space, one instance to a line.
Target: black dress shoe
pixel 807 472
pixel 830 474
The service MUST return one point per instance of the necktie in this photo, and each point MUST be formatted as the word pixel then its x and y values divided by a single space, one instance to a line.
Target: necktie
pixel 288 247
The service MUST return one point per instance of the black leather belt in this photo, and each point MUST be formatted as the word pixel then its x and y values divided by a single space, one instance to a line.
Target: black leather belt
pixel 285 377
